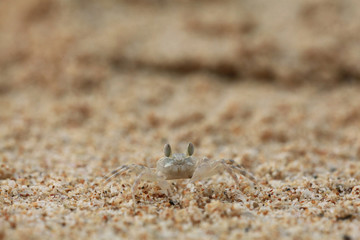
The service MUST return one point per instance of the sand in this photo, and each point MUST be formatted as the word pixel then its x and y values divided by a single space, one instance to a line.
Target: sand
pixel 86 87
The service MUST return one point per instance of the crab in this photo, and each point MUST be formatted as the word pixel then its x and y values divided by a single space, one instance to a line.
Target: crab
pixel 179 166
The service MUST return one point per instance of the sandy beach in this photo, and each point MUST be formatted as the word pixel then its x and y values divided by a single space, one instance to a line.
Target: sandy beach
pixel 88 86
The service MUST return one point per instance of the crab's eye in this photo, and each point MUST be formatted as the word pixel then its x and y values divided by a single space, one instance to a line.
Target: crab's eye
pixel 190 149
pixel 167 150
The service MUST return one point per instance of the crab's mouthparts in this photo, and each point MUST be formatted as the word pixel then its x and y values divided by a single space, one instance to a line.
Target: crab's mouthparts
pixel 179 162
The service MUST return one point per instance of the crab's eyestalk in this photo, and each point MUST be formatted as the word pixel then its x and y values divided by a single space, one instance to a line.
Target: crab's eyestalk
pixel 167 150
pixel 190 149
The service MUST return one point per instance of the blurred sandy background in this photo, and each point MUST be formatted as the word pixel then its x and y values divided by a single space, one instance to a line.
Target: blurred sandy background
pixel 86 86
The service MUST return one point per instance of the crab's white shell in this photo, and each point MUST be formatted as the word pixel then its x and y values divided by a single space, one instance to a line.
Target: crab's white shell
pixel 177 166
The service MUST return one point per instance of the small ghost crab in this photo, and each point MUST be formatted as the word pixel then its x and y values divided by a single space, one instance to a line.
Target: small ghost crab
pixel 179 166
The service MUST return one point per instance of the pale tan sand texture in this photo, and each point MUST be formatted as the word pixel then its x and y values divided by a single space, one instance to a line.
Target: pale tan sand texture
pixel 86 86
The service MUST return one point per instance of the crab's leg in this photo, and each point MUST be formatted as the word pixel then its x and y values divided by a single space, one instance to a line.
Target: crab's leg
pixel 135 185
pixel 149 175
pixel 243 172
pixel 133 167
pixel 143 173
pixel 115 173
pixel 209 168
